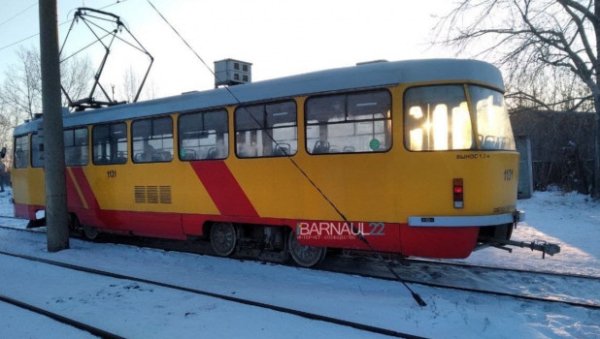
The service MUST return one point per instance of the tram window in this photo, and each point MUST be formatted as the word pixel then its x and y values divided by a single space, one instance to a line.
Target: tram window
pixel 266 130
pixel 493 123
pixel 436 118
pixel 349 123
pixel 203 135
pixel 76 146
pixel 110 144
pixel 152 140
pixel 37 150
pixel 21 151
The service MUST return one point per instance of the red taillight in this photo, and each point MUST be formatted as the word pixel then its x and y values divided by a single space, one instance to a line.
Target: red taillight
pixel 458 190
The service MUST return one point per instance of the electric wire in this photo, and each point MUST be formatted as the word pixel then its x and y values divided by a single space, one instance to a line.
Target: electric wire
pixel 89 16
pixel 360 236
pixel 294 163
pixel 60 24
pixel 19 13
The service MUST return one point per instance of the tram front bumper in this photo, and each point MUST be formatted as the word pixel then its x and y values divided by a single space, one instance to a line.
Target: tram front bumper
pixel 466 221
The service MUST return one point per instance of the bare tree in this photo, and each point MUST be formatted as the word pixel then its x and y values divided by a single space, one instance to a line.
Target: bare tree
pixel 20 90
pixel 555 90
pixel 131 84
pixel 76 75
pixel 5 124
pixel 530 39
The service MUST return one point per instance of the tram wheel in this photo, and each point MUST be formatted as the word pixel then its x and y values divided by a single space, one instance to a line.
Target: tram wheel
pixel 223 238
pixel 305 256
pixel 90 233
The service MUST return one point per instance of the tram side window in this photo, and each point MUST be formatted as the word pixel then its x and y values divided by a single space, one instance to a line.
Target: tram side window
pixel 110 144
pixel 76 146
pixel 203 135
pixel 37 150
pixel 349 123
pixel 22 151
pixel 436 118
pixel 266 130
pixel 152 140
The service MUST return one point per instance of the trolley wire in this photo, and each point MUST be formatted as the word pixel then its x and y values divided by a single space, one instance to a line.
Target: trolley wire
pixel 38 33
pixel 292 161
pixel 19 13
pixel 360 236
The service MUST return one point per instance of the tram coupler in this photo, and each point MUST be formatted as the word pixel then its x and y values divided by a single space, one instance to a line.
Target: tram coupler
pixel 542 246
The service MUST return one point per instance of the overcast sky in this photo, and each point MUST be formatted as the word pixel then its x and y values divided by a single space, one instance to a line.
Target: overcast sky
pixel 278 37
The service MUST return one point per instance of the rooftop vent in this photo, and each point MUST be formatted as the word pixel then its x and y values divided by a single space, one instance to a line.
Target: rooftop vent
pixel 229 72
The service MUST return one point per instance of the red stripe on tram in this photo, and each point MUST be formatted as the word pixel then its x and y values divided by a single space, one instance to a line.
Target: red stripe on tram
pixel 86 189
pixel 223 188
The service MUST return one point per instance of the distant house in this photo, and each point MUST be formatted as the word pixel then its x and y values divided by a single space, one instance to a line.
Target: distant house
pixel 562 146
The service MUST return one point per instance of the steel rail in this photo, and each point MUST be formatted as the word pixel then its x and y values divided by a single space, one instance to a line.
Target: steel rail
pixel 61 319
pixel 248 302
pixel 335 267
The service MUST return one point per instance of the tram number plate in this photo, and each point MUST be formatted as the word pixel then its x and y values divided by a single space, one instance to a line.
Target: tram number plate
pixel 111 174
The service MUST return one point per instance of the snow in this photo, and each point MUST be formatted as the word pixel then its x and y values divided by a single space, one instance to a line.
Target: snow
pixel 571 220
pixel 137 310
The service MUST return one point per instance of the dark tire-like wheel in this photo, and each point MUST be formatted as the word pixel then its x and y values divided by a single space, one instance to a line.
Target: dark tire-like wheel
pixel 90 233
pixel 305 256
pixel 223 238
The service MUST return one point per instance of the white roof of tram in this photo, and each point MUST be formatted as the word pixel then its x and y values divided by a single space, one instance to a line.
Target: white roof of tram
pixel 369 75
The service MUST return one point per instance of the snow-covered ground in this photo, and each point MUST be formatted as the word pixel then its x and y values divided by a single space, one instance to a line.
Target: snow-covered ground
pixel 571 220
pixel 137 310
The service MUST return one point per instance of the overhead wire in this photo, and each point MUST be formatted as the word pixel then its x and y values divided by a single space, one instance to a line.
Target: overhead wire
pixel 255 120
pixel 19 13
pixel 360 236
pixel 36 34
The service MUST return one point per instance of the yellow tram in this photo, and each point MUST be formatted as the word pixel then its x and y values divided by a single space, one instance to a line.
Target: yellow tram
pixel 411 157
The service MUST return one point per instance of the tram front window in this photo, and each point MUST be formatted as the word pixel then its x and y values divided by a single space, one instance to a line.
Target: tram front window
pixel 493 124
pixel 437 118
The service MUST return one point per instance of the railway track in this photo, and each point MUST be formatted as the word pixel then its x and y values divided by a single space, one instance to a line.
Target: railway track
pixel 59 318
pixel 544 287
pixel 225 297
pixel 547 287
pixel 507 269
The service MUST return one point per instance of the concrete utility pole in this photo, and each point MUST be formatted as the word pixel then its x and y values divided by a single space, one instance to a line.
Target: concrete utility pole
pixel 54 153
